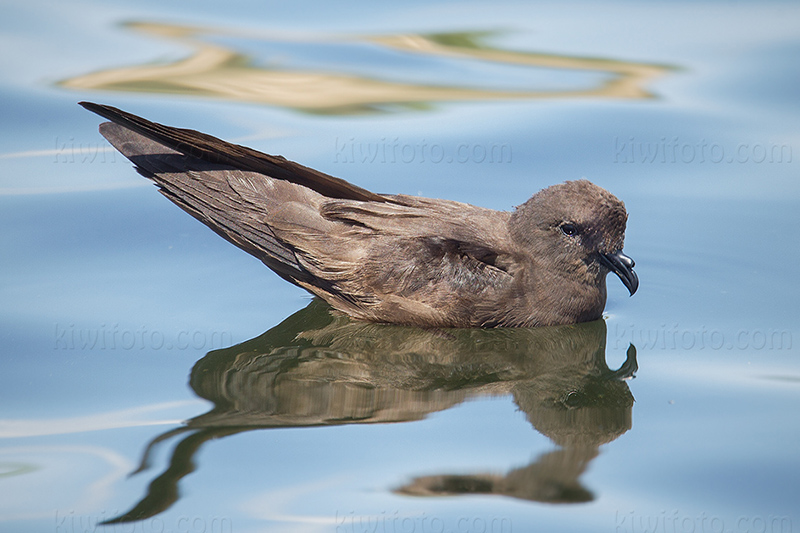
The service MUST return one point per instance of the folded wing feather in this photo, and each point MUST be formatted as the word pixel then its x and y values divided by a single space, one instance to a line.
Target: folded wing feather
pixel 336 248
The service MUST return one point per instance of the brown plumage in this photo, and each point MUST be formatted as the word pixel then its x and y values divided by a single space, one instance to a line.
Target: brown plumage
pixel 391 258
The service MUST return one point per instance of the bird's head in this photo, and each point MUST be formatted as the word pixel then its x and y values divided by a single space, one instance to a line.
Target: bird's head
pixel 577 228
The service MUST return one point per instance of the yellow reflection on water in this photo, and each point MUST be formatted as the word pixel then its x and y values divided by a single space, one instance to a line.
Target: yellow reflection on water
pixel 214 70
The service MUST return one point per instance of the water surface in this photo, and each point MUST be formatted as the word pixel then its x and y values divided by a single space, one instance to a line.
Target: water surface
pixel 158 379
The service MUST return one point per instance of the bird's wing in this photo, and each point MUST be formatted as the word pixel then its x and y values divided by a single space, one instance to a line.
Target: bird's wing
pixel 452 227
pixel 216 151
pixel 413 260
pixel 356 252
pixel 211 193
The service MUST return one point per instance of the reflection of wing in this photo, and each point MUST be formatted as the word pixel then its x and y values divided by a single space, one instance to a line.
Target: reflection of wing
pixel 317 368
pixel 381 258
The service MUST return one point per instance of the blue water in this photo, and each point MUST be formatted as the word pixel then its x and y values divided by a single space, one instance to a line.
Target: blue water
pixel 148 365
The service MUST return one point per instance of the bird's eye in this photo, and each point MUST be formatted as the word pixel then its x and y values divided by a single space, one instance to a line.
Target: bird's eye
pixel 573 399
pixel 568 228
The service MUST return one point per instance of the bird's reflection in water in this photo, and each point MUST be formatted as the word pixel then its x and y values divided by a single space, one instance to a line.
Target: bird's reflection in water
pixel 318 369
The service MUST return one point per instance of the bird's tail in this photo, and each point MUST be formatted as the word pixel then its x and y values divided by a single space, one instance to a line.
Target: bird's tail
pixel 204 188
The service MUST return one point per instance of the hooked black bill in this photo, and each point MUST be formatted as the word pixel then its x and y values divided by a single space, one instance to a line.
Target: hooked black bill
pixel 622 265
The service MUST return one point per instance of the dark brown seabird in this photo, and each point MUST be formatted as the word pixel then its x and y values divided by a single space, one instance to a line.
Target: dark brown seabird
pixel 391 258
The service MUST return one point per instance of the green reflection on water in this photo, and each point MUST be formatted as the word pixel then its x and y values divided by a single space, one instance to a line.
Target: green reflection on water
pixel 219 71
pixel 16 469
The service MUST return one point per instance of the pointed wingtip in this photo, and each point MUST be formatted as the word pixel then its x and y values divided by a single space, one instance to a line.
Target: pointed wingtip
pixel 104 111
pixel 98 109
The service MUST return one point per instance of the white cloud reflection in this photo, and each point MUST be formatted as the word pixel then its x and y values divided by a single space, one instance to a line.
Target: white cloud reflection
pixel 124 418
